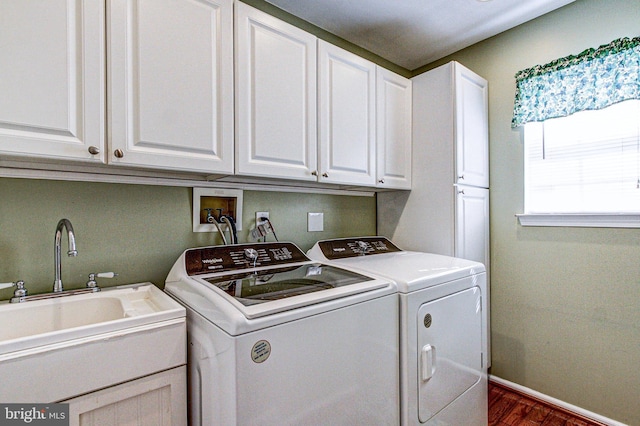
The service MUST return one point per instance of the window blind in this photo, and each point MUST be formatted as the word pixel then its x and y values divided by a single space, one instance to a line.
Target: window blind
pixel 588 162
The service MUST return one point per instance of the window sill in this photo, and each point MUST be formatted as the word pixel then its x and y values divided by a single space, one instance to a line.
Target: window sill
pixel 622 220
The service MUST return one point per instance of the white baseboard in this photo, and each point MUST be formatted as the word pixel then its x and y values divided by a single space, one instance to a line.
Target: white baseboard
pixel 556 402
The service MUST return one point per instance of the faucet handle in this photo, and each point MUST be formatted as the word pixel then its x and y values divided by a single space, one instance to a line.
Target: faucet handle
pixel 6 285
pixel 94 275
pixel 18 293
pixel 106 275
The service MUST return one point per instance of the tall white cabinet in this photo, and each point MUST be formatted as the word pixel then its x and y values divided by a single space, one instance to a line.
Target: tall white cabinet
pixel 52 79
pixel 447 211
pixel 171 84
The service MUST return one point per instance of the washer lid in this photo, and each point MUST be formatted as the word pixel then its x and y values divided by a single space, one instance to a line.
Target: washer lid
pixel 252 288
pixel 260 293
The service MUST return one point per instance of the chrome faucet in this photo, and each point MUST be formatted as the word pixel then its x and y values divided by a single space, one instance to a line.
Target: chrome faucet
pixel 57 258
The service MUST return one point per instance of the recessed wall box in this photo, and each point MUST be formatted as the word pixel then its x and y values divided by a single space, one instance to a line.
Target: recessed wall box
pixel 211 203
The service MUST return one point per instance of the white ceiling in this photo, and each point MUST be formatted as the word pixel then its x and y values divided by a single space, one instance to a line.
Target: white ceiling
pixel 412 33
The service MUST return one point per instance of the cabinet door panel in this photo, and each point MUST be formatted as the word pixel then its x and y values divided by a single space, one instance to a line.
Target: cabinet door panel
pixel 472 224
pixel 346 127
pixel 472 157
pixel 158 399
pixel 171 84
pixel 276 97
pixel 52 78
pixel 393 130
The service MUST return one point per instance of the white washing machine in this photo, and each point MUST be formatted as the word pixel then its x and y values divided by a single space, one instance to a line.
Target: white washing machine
pixel 443 334
pixel 276 339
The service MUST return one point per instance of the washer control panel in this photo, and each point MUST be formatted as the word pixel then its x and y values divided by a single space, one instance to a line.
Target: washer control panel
pixel 221 259
pixel 353 247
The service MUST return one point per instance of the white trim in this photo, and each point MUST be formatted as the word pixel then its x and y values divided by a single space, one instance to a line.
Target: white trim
pixel 556 402
pixel 622 220
pixel 167 179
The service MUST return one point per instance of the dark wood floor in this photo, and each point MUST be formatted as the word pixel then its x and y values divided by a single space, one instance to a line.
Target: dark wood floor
pixel 508 407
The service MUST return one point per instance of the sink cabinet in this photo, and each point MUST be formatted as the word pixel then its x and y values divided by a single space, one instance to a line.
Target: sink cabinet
pixel 130 365
pixel 52 79
pixel 153 400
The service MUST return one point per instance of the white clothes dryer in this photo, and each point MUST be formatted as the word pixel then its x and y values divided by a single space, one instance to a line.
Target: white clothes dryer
pixel 277 339
pixel 443 334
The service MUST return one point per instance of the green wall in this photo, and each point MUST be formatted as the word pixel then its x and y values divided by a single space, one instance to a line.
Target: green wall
pixel 139 231
pixel 565 302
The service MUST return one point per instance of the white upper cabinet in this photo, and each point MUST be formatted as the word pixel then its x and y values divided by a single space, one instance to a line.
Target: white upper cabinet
pixel 393 130
pixel 52 79
pixel 347 114
pixel 275 97
pixel 471 128
pixel 171 84
pixel 206 86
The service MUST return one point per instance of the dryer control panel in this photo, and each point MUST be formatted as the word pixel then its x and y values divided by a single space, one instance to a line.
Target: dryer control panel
pixel 353 247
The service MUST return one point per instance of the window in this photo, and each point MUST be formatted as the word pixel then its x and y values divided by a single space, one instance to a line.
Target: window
pixel 581 118
pixel 588 162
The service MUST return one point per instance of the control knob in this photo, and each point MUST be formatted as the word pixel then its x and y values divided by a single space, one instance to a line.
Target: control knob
pixel 362 246
pixel 251 254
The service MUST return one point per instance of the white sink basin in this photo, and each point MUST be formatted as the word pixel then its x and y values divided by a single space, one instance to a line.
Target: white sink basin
pixel 29 319
pixel 42 322
pixel 58 348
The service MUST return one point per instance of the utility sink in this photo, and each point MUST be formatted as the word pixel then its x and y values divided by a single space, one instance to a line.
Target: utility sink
pixel 41 322
pixel 87 340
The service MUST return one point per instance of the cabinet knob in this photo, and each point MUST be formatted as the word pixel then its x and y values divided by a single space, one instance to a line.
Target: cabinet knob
pixel 461 192
pixel 314 173
pixel 381 181
pixel 461 177
pixel 118 153
pixel 94 150
pixel 325 175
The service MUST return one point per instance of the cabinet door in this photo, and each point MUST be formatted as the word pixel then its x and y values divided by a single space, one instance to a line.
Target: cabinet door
pixel 472 224
pixel 159 399
pixel 393 130
pixel 171 84
pixel 472 240
pixel 276 97
pixel 52 79
pixel 347 113
pixel 472 134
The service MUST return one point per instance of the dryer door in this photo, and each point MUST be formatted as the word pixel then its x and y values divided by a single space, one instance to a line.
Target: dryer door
pixel 450 349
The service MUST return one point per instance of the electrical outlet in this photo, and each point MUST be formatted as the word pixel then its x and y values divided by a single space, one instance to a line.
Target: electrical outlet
pixel 261 215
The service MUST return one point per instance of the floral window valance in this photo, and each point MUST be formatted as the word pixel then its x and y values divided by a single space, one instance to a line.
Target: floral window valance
pixel 594 79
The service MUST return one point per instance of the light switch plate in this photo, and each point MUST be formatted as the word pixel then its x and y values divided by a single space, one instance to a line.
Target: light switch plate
pixel 315 222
